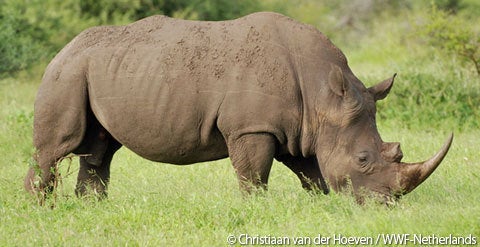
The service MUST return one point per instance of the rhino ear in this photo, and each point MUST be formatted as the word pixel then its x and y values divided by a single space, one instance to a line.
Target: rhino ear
pixel 381 90
pixel 337 82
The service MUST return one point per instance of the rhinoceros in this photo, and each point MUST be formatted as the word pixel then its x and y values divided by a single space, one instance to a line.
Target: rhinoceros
pixel 255 89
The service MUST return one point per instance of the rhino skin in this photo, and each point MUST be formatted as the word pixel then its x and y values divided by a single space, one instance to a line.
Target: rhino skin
pixel 256 88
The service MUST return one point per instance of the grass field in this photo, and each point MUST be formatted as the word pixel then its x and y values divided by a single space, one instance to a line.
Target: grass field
pixel 153 204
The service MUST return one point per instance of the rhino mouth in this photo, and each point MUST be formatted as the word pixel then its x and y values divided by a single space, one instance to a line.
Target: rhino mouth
pixel 387 199
pixel 390 201
pixel 379 195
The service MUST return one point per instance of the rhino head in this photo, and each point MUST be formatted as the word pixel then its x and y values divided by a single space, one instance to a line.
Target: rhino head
pixel 359 157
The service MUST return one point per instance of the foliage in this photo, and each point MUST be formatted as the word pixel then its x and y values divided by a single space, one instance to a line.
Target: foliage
pixel 430 101
pixel 110 11
pixel 34 30
pixel 346 21
pixel 17 48
pixel 453 34
pixel 215 10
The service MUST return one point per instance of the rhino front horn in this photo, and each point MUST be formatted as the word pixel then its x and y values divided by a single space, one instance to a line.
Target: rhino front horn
pixel 413 174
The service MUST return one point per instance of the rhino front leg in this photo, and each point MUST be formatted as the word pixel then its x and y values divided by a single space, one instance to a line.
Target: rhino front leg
pixel 92 177
pixel 252 157
pixel 308 171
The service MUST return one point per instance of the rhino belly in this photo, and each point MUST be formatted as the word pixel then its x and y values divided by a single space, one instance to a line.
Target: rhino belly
pixel 159 123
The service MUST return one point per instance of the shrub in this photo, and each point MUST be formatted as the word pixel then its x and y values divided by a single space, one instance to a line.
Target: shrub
pixel 452 34
pixel 18 49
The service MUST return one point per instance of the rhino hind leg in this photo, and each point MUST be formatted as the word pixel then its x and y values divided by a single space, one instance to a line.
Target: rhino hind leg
pixel 57 132
pixel 252 157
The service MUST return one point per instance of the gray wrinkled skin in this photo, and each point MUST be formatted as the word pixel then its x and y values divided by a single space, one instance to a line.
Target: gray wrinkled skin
pixel 253 89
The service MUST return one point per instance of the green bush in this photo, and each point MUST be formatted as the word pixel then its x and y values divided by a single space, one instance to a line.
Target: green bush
pixel 32 31
pixel 452 34
pixel 18 48
pixel 215 10
pixel 428 101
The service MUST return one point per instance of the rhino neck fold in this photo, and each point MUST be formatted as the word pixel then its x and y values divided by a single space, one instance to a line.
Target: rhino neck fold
pixel 306 87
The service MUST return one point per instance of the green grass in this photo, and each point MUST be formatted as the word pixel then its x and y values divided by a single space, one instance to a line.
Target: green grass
pixel 153 204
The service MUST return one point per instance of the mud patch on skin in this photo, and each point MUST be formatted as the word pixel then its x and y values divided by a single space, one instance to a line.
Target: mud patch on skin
pixel 277 72
pixel 252 50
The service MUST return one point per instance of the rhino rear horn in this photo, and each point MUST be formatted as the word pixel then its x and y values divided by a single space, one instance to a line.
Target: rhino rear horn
pixel 381 90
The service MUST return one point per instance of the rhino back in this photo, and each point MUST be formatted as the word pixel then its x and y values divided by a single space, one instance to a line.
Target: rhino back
pixel 173 90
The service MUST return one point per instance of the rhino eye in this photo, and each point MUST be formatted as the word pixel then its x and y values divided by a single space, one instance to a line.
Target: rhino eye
pixel 363 158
